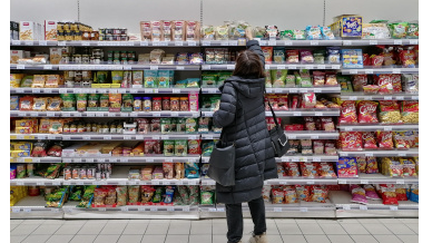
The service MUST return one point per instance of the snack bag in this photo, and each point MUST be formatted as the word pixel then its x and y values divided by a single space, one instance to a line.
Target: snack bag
pixel 388 193
pixel 376 60
pixel 348 112
pixel 308 100
pixel 397 83
pixel 333 54
pixel 359 81
pixel 370 192
pixel 409 168
pixel 319 194
pixel 358 194
pixel 361 164
pixel 290 195
pixel 327 124
pixel 398 30
pixel 399 141
pixel 327 33
pixel 369 141
pixel 306 57
pixel 410 111
pixel 346 167
pixel 292 169
pixel 318 78
pixel 330 79
pixel 401 192
pixel 313 32
pixel 292 56
pixel 412 31
pixel 268 54
pixel 389 112
pixel 367 111
pixel 308 170
pixel 303 193
pixel 371 165
pixel 385 83
pixel 325 170
pixel 385 139
pixel 414 193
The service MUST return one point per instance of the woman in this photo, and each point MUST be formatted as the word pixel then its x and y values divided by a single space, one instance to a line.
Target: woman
pixel 241 114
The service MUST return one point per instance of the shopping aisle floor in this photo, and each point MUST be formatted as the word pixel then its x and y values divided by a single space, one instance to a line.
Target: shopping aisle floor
pixel 213 231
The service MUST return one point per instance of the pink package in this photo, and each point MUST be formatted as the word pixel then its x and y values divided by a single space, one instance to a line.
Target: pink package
pixel 371 193
pixel 358 194
pixel 193 101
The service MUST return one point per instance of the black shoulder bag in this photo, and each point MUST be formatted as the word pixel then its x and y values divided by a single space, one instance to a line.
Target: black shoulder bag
pixel 278 138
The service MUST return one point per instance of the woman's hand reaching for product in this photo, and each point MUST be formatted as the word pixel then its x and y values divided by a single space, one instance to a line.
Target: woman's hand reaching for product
pixel 248 33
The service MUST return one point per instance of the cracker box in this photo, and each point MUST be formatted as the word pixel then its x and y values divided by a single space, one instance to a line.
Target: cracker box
pixel 347 26
pixel 28 30
pixel 15 55
pixel 50 30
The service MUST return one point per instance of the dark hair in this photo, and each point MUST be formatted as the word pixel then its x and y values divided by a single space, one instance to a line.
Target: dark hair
pixel 249 64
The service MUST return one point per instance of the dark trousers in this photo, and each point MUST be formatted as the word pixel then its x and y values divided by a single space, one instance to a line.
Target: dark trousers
pixel 234 216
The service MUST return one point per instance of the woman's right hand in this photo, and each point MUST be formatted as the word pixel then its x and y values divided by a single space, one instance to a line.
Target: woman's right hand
pixel 248 33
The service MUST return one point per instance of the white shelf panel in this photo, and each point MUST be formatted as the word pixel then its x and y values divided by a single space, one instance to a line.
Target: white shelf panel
pixel 377 127
pixel 289 43
pixel 312 135
pixel 374 42
pixel 300 90
pixel 16 113
pixel 301 181
pixel 90 90
pixel 34 207
pixel 312 158
pixel 36 160
pixel 306 112
pixel 378 179
pixel 381 153
pixel 299 66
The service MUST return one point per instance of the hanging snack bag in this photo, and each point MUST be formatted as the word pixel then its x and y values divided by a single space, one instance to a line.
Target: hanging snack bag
pixel 389 111
pixel 367 111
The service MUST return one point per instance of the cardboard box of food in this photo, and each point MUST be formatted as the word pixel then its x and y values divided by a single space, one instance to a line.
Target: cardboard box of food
pixel 50 29
pixel 28 30
pixel 15 55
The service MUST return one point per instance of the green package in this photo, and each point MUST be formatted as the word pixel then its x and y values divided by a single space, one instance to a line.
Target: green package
pixel 150 78
pixel 163 78
pixel 168 147
pixel 69 102
pixel 180 148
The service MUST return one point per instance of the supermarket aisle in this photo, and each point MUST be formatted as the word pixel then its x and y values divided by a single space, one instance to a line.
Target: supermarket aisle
pixel 213 230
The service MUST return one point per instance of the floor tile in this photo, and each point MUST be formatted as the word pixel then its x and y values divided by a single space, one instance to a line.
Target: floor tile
pixel 177 239
pixel 272 229
pixel 413 227
pixel 364 239
pixel 207 238
pixel 369 221
pixel 157 228
pixel 387 239
pixel 289 229
pixel 153 239
pixel 220 238
pixel 83 238
pixel 24 229
pixel 75 222
pixel 271 238
pixel 376 229
pixel 16 221
pixel 390 221
pixel 317 239
pixel 409 220
pixel 219 228
pixel 285 221
pixel 135 229
pixel 179 228
pixel 54 221
pixel 355 229
pixel 59 238
pixel 45 229
pixel 408 238
pixel 33 221
pixel 294 238
pixel 130 239
pixel 333 229
pixel 340 239
pixel 347 221
pixel 399 229
pixel 326 221
pixel 17 238
pixel 113 229
pixel 12 227
pixel 36 239
pixel 106 239
pixel 91 228
pixel 68 229
pixel 310 229
pixel 201 228
pixel 306 221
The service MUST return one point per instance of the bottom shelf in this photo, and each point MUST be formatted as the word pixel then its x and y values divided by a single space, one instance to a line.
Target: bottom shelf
pixel 337 206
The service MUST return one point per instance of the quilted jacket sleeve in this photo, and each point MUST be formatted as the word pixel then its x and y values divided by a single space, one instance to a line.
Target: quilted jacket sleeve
pixel 253 45
pixel 227 108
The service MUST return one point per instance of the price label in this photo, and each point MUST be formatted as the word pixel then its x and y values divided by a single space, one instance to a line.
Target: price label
pixel 288 43
pixel 102 209
pixel 27 210
pixel 230 67
pixel 292 66
pixel 335 66
pixel 297 113
pixel 413 42
pixel 169 160
pixel 309 67
pixel 153 67
pixel 310 182
pixel 321 67
pixel 373 42
pixel 342 181
pixel 124 209
pixel 388 128
pixel 144 43
pixel 180 67
pixel 285 159
pixel 368 71
pixel 346 207
pixel 363 207
pixel 192 43
pixel 206 43
pixel 400 182
pixel 107 137
pixel 397 42
pixel 364 182
pixel 170 209
pixel 220 209
pixel 303 209
pixel 16 42
pixel 353 72
pixel 388 97
pixel 186 209
pixel 277 209
pixel 47 67
pixel 394 208
pixel 40 183
pixel 141 209
pixel 153 209
pixel 352 98
pixel 401 154
pixel 20 66
pixel 178 43
pixel 314 43
pixel 85 43
pixel 369 154
pixel 16 210
pixel 280 67
pixel 292 136
pixel 316 159
pixel 272 42
pixel 318 114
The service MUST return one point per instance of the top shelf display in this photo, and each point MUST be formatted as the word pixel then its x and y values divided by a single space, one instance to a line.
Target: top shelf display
pixel 207 43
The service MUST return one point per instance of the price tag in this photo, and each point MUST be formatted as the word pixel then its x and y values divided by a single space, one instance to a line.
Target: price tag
pixel 85 43
pixel 107 137
pixel 20 66
pixel 141 209
pixel 16 42
pixel 388 128
pixel 353 72
pixel 153 67
pixel 102 209
pixel 388 97
pixel 61 43
pixel 342 181
pixel 124 209
pixel 27 210
pixel 186 209
pixel 314 43
pixel 335 66
pixel 271 42
pixel 144 43
pixel 303 209
pixel 318 114
pixel 364 182
pixel 413 42
pixel 309 67
pixel 314 137
pixel 169 160
pixel 393 208
pixel 28 43
pixel 369 154
pixel 40 183
pixel 285 159
pixel 230 67
pixel 363 207
pixel 288 43
pixel 180 67
pixel 47 67
pixel 206 67
pixel 397 42
pixel 297 113
pixel 310 182
pixel 316 159
pixel 16 210
pixel 368 71
pixel 400 182
pixel 396 71
pixel 321 67
pixel 277 209
pixel 56 183
pixel 280 67
pixel 400 98
pixel 401 154
pixel 192 43
pixel 346 207
pixel 220 209
pixel 292 66
pixel 292 136
pixel 170 209
pixel 373 42
pixel 153 209
pixel 206 43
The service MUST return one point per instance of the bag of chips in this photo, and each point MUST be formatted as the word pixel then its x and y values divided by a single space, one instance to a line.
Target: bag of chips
pixel 410 111
pixel 367 111
pixel 369 141
pixel 346 167
pixel 389 111
pixel 358 194
pixel 348 112
pixel 385 139
pixel 351 141
pixel 371 165
pixel 388 194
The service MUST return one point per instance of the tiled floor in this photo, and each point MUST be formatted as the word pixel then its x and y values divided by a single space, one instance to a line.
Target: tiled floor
pixel 401 230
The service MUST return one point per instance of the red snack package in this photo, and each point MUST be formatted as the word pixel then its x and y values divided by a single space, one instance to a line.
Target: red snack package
pixel 367 111
pixel 384 81
pixel 309 169
pixel 389 111
pixel 292 56
pixel 359 81
pixel 309 123
pixel 351 141
pixel 348 112
pixel 377 60
pixel 410 111
pixel 361 164
pixel 26 103
pixel 303 192
pixel 385 139
pixel 308 100
pixel 268 54
pixel 319 194
pixel 397 83
pixel 330 148
pixel 401 192
pixel 152 147
pixel 318 124
pixel 318 78
pixel 327 124
pixel 306 56
pixel 399 140
pixel 388 194
pixel 318 147
pixel 282 102
pixel 295 102
pixel 326 170
pixel 407 58
pixel 369 141
pixel 366 60
pixel 292 169
pixel 320 105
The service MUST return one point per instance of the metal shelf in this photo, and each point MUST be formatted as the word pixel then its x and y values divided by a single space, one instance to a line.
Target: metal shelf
pixel 362 96
pixel 301 181
pixel 312 134
pixel 112 181
pixel 16 113
pixel 90 90
pixel 374 42
pixel 302 66
pixel 109 159
pixel 300 90
pixel 306 112
pixel 126 67
pixel 106 43
pixel 311 158
pixel 378 127
pixel 378 179
pixel 380 153
pixel 379 70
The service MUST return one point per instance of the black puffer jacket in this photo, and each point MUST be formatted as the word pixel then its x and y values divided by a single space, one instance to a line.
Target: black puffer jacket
pixel 243 99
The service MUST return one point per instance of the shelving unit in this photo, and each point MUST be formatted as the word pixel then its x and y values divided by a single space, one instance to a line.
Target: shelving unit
pixel 338 205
